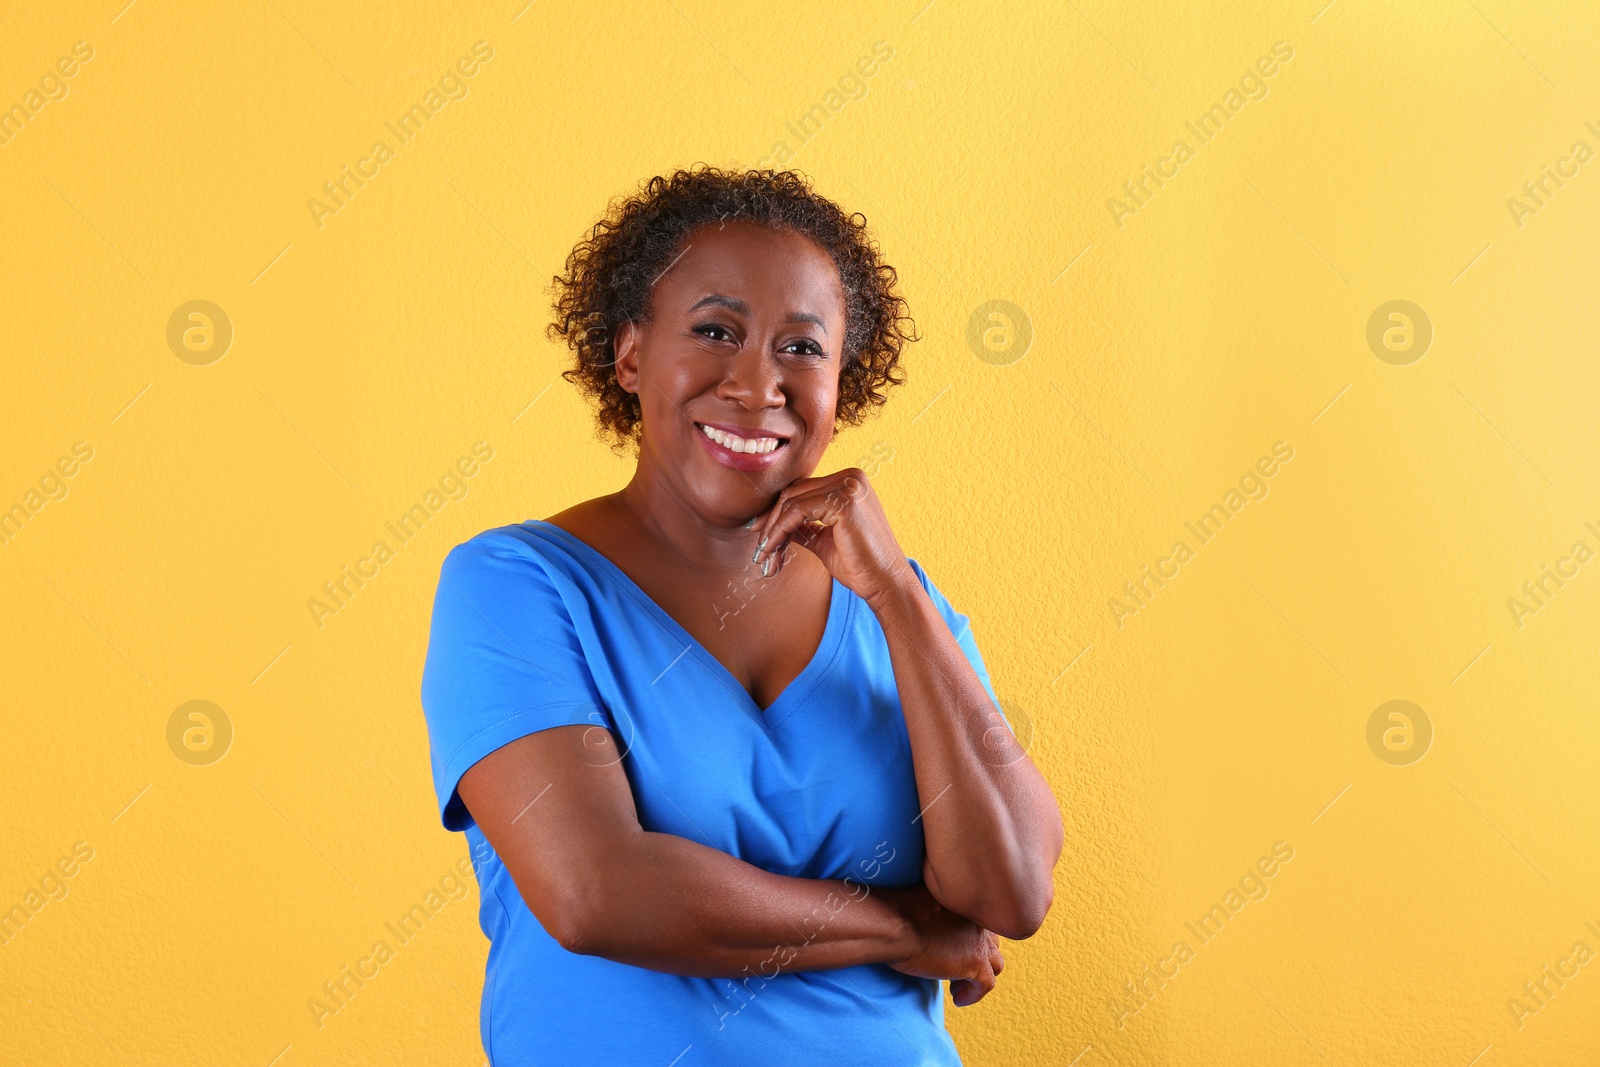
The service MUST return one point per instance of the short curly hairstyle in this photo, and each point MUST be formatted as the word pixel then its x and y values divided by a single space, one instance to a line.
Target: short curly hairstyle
pixel 610 274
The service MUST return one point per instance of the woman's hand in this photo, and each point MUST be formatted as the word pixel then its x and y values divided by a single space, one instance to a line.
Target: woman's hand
pixel 951 946
pixel 838 519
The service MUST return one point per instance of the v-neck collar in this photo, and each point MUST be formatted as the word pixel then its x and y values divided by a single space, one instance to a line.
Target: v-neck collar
pixel 794 694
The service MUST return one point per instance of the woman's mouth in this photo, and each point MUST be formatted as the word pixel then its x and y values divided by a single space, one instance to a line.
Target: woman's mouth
pixel 754 450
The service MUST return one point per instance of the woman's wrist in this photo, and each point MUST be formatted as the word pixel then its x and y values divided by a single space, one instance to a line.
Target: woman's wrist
pixel 904 939
pixel 899 590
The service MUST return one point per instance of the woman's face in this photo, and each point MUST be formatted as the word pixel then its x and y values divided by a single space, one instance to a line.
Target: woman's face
pixel 745 338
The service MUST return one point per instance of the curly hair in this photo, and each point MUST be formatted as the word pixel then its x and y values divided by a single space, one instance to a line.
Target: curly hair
pixel 610 273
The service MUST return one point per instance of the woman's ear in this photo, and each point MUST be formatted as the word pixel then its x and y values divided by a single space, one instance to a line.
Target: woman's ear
pixel 625 349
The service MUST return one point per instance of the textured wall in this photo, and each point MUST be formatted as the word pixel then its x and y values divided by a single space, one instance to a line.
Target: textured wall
pixel 1218 727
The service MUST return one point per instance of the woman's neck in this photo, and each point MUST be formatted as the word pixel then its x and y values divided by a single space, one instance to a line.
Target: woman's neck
pixel 663 520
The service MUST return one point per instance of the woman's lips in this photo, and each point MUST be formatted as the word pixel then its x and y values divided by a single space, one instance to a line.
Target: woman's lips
pixel 742 461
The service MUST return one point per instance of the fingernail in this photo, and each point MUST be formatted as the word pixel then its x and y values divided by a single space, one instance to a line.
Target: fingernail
pixel 766 565
pixel 751 521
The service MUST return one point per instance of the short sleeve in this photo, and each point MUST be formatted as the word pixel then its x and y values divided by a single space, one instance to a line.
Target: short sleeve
pixel 961 627
pixel 503 661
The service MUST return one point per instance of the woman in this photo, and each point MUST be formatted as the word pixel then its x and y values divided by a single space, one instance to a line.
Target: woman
pixel 732 771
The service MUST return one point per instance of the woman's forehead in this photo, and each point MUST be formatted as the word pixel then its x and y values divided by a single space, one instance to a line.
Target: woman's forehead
pixel 745 263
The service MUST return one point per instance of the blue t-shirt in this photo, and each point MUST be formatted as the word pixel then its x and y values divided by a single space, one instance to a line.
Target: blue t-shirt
pixel 532 628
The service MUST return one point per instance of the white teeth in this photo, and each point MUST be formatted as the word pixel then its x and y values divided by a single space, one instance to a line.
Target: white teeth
pixel 757 446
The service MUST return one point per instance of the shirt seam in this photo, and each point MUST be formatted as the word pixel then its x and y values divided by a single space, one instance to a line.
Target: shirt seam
pixel 650 607
pixel 520 713
pixel 487 1006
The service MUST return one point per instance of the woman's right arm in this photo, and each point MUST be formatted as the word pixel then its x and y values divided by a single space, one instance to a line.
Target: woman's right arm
pixel 559 811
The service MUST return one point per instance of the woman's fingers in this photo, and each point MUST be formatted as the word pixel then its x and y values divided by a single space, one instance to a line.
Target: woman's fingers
pixel 804 535
pixel 968 991
pixel 840 520
pixel 768 525
pixel 791 514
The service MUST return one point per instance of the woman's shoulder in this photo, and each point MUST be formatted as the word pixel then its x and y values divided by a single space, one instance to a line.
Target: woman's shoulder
pixel 512 538
pixel 583 515
pixel 515 571
pixel 553 546
pixel 512 546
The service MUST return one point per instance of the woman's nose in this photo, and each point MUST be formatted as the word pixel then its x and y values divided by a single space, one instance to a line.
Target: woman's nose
pixel 753 377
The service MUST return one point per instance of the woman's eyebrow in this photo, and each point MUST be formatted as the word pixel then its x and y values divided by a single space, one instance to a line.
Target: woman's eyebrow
pixel 717 299
pixel 806 316
pixel 735 304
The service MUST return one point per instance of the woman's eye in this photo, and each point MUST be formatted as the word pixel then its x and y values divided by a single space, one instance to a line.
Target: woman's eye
pixel 810 348
pixel 705 330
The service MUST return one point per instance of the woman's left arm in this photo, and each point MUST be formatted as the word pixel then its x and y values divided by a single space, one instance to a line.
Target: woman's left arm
pixel 990 823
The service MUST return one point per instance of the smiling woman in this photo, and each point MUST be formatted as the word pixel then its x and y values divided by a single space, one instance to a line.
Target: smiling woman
pixel 672 807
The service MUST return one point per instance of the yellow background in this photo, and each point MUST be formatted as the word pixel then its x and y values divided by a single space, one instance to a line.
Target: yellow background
pixel 1167 355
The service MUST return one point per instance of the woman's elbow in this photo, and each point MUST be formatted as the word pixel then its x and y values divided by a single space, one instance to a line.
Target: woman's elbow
pixel 1023 918
pixel 1036 891
pixel 1015 914
pixel 572 920
pixel 571 932
pixel 1013 906
pixel 587 905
